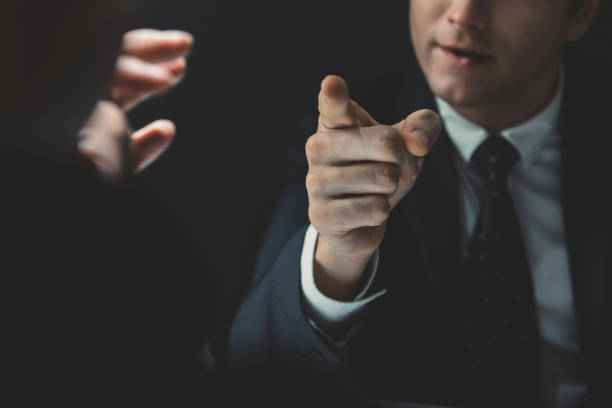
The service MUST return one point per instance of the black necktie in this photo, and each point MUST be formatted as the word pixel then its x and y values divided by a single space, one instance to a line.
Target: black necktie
pixel 500 321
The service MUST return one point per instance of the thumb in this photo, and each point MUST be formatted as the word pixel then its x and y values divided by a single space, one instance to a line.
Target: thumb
pixel 420 131
pixel 151 141
pixel 336 109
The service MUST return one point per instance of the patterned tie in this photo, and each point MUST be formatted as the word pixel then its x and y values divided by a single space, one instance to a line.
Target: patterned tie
pixel 500 326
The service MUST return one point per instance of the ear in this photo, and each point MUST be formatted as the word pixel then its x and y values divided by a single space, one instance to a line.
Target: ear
pixel 582 19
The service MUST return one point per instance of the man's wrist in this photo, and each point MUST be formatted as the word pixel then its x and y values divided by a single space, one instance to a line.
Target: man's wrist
pixel 339 276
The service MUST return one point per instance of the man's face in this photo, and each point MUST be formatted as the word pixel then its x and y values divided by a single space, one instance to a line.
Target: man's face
pixel 475 52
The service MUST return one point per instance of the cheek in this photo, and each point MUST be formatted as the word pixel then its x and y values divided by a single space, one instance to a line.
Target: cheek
pixel 529 49
pixel 423 19
pixel 529 31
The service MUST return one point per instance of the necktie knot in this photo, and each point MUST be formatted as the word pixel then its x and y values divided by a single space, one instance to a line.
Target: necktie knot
pixel 495 158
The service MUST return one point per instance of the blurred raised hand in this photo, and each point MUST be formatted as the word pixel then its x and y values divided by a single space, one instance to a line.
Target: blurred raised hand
pixel 150 62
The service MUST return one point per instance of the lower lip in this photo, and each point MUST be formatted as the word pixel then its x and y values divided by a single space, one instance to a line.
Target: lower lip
pixel 466 61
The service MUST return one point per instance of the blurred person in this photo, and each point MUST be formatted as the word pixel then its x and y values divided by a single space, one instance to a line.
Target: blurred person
pixel 104 301
pixel 457 255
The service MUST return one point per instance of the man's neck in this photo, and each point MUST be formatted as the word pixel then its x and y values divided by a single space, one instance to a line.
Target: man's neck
pixel 517 108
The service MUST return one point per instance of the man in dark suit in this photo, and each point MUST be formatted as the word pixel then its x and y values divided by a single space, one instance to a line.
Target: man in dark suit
pixel 460 262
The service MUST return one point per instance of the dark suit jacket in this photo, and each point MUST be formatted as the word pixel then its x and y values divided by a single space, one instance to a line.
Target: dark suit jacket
pixel 406 348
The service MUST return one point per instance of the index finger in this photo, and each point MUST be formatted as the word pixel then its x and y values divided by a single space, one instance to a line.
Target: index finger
pixel 420 130
pixel 337 110
pixel 156 45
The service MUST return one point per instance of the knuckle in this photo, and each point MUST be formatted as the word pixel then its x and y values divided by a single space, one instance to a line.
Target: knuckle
pixel 312 181
pixel 319 179
pixel 387 177
pixel 332 173
pixel 379 209
pixel 410 173
pixel 317 213
pixel 386 140
pixel 314 147
pixel 410 181
pixel 414 165
pixel 387 132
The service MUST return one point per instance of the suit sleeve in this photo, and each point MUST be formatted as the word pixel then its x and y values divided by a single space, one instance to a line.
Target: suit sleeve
pixel 271 326
pixel 332 318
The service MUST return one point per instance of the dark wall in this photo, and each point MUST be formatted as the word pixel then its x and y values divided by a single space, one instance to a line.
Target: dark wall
pixel 221 174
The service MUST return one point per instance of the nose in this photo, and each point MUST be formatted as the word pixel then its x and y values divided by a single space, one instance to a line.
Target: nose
pixel 468 14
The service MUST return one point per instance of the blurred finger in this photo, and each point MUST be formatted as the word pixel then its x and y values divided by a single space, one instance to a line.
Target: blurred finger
pixel 176 67
pixel 135 72
pixel 144 75
pixel 128 98
pixel 156 45
pixel 151 141
pixel 136 80
pixel 105 141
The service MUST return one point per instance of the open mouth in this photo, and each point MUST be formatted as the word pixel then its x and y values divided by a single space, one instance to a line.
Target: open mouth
pixel 465 58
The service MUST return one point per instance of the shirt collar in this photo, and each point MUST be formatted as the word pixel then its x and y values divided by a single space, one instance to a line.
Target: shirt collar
pixel 528 137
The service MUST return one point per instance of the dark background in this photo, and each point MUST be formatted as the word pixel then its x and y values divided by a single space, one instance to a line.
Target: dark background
pixel 221 177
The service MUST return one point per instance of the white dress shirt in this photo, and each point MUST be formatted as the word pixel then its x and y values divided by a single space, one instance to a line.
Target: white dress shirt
pixel 535 187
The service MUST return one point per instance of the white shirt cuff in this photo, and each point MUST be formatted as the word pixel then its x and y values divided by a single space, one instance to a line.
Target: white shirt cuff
pixel 324 309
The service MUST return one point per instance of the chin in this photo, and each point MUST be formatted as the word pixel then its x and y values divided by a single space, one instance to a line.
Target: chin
pixel 458 93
